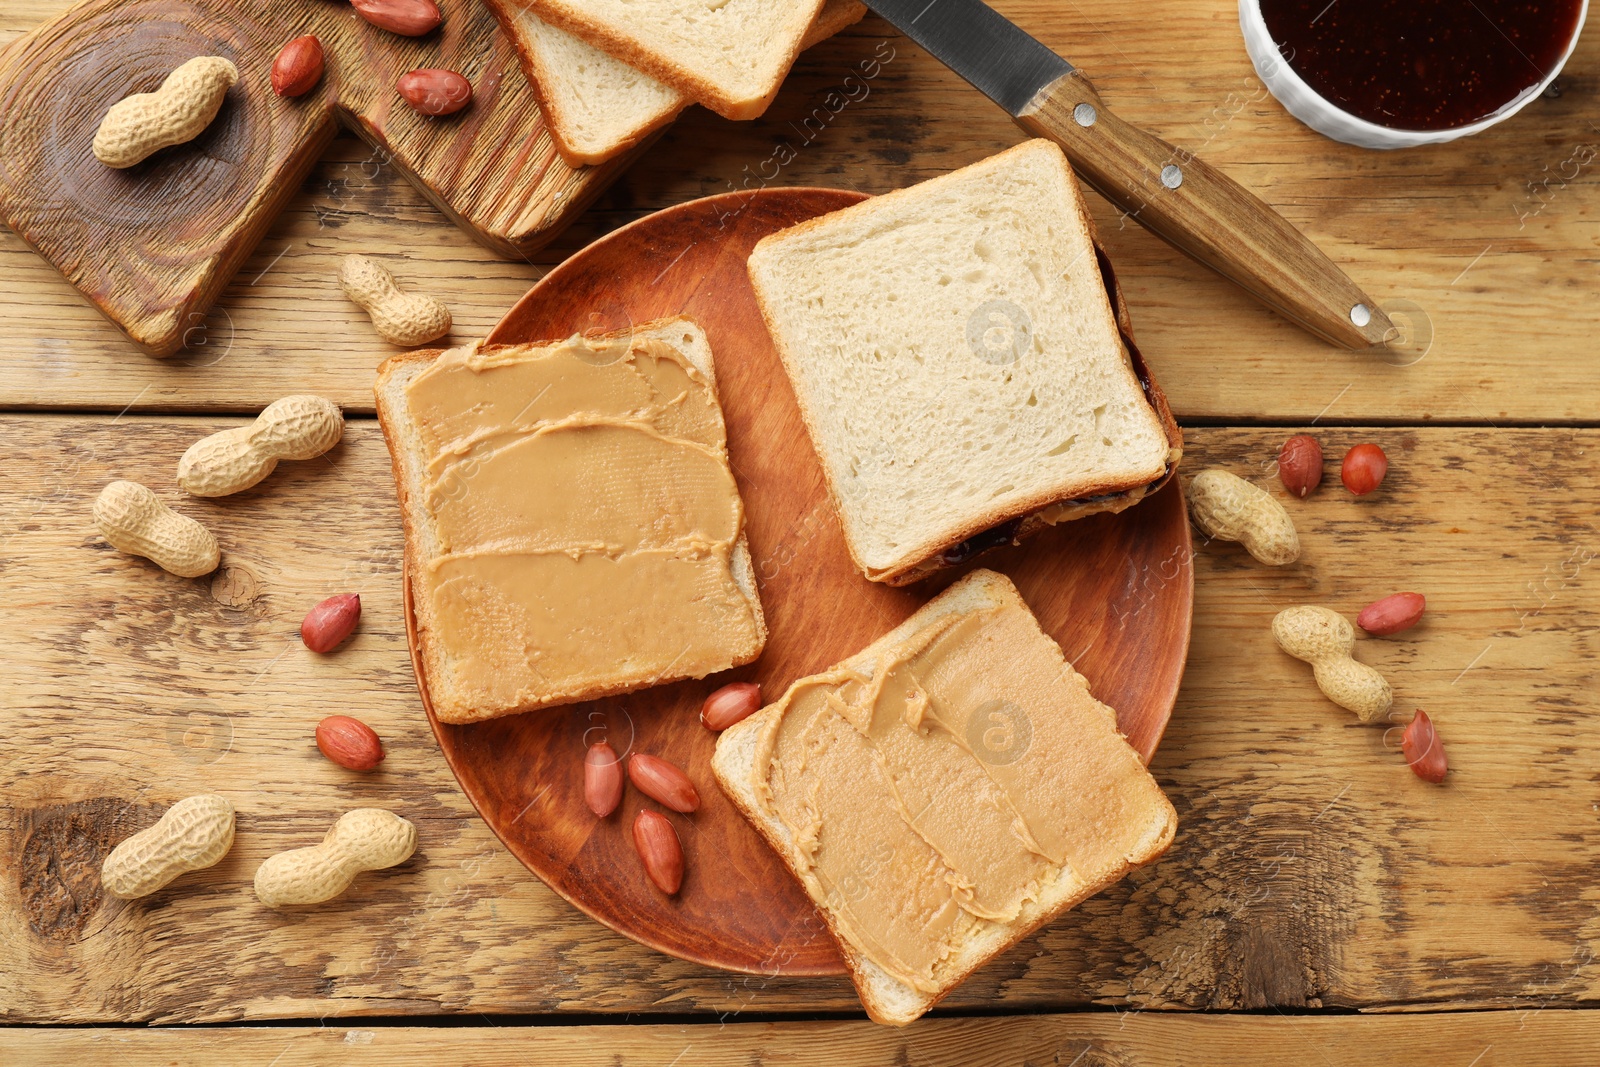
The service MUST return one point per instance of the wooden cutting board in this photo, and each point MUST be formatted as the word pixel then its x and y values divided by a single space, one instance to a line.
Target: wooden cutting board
pixel 153 245
pixel 1115 591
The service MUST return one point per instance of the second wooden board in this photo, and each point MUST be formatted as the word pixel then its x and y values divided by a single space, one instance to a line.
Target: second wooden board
pixel 152 245
pixel 1115 590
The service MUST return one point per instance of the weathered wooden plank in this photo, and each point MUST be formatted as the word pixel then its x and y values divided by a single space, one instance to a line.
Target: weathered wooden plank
pixel 1310 869
pixel 1091 1039
pixel 1485 245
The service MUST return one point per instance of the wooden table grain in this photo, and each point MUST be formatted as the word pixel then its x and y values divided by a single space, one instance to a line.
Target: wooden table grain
pixel 1484 248
pixel 1130 1039
pixel 1320 902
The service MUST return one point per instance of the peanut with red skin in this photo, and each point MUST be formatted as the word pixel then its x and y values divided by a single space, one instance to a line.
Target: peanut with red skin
pixel 731 704
pixel 408 18
pixel 327 625
pixel 298 67
pixel 349 742
pixel 602 779
pixel 1423 750
pixel 434 91
pixel 663 783
pixel 1300 464
pixel 1392 614
pixel 1363 469
pixel 658 846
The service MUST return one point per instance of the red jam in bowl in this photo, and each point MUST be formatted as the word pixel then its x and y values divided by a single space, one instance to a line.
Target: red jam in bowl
pixel 1422 64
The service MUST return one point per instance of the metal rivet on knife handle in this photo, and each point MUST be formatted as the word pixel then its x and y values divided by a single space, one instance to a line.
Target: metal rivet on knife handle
pixel 1084 115
pixel 1361 314
pixel 1172 175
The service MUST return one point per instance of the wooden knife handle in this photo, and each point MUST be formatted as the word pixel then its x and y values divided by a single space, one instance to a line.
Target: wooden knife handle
pixel 1204 213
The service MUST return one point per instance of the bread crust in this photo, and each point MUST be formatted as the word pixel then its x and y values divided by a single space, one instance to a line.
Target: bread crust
pixel 922 561
pixel 835 16
pixel 422 654
pixel 510 14
pixel 570 16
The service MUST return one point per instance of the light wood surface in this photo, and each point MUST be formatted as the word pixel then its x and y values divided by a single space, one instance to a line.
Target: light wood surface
pixel 1134 1039
pixel 1312 874
pixel 1490 239
pixel 1311 868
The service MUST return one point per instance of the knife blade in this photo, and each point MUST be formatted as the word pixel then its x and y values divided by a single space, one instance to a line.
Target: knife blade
pixel 1194 207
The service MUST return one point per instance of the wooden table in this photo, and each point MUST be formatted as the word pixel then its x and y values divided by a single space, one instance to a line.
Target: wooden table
pixel 1320 904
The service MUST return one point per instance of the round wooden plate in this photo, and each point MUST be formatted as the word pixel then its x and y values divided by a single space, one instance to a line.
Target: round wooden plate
pixel 1115 590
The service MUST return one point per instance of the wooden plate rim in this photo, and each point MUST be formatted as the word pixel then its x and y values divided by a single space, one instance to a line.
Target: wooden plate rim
pixel 453 758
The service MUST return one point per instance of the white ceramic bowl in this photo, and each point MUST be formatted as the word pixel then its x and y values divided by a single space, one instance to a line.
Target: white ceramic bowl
pixel 1305 104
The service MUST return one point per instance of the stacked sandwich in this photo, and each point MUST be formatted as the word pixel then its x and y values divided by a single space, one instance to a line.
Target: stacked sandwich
pixel 610 72
pixel 959 365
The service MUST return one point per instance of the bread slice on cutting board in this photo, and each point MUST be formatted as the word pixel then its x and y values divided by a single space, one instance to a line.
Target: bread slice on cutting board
pixel 597 105
pixel 959 365
pixel 1026 798
pixel 730 55
pixel 470 517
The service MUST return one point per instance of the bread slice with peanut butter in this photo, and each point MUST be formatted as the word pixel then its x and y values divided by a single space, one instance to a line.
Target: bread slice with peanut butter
pixel 944 792
pixel 573 528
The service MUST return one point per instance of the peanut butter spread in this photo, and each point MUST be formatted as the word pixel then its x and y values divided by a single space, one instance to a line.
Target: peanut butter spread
pixel 939 791
pixel 583 520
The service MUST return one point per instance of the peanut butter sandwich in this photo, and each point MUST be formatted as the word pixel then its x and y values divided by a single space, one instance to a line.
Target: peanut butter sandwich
pixel 945 792
pixel 573 529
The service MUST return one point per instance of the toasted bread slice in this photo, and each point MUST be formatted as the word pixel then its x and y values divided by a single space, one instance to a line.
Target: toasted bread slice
pixel 957 360
pixel 456 679
pixel 596 105
pixel 730 55
pixel 1060 746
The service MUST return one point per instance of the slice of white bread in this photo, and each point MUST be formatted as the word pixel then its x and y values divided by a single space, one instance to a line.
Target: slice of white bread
pixel 409 451
pixel 730 55
pixel 957 360
pixel 596 105
pixel 1123 819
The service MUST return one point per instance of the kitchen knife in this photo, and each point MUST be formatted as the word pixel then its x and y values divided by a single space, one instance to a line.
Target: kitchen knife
pixel 1200 211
